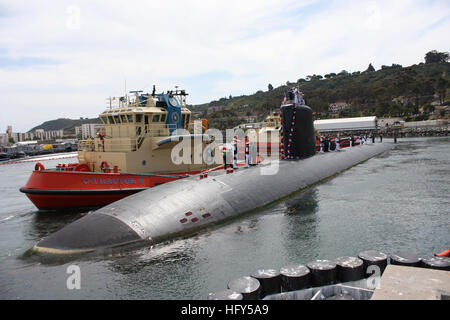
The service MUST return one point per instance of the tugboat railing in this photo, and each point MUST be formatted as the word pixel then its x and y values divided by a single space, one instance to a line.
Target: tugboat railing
pixel 125 144
pixel 270 124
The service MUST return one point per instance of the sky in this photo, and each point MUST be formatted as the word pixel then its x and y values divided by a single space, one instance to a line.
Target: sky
pixel 63 59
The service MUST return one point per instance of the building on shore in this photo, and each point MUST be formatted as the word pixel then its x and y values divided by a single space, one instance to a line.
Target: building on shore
pixel 89 130
pixel 11 137
pixel 40 134
pixel 347 124
pixel 390 122
pixel 78 132
pixel 4 139
pixel 338 106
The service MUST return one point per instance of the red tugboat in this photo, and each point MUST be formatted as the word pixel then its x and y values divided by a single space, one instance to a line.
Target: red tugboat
pixel 131 154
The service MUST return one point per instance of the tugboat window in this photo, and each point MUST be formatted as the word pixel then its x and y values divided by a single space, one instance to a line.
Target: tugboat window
pixel 163 117
pixel 155 118
pixel 130 118
pixel 116 119
pixel 123 118
pixel 138 117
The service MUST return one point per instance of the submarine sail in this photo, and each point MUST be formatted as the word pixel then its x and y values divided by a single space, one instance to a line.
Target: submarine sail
pixel 298 137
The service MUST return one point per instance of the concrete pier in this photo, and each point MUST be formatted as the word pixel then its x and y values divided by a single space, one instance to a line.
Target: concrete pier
pixel 411 283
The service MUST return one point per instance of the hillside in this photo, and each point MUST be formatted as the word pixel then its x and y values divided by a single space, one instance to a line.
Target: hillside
pixel 68 125
pixel 410 92
pixel 413 92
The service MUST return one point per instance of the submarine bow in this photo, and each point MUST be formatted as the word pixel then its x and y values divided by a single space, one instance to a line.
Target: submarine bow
pixel 184 206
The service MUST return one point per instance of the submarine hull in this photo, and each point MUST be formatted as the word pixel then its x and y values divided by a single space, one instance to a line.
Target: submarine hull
pixel 184 206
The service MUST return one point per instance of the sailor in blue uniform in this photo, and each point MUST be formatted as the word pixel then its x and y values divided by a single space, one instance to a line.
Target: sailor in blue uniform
pixel 235 151
pixel 247 152
pixel 301 98
pixel 225 157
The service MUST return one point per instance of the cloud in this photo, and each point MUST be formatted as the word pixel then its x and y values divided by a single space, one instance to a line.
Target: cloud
pixel 62 59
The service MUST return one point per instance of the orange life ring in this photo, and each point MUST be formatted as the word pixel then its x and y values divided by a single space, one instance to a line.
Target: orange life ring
pixel 104 166
pixel 39 166
pixel 446 253
pixel 82 167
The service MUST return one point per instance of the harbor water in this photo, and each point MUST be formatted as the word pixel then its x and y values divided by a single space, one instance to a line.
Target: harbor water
pixel 398 201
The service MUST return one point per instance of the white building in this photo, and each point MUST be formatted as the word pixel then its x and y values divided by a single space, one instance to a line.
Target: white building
pixel 389 122
pixel 90 130
pixel 338 106
pixel 4 139
pixel 40 134
pixel 346 124
pixel 78 132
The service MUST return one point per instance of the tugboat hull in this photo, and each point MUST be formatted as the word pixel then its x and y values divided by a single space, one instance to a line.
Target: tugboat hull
pixel 52 189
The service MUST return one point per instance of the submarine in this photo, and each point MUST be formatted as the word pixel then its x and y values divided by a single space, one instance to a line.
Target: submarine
pixel 183 207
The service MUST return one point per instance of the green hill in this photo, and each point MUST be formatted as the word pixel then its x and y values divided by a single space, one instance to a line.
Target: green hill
pixel 409 92
pixel 68 125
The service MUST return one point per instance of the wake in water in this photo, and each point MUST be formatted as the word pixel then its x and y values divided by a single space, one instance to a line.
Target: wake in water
pixel 42 158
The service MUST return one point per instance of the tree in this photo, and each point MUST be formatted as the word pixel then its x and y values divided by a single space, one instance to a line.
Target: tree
pixel 416 91
pixel 382 109
pixel 370 68
pixel 435 57
pixel 270 87
pixel 429 108
pixel 441 88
